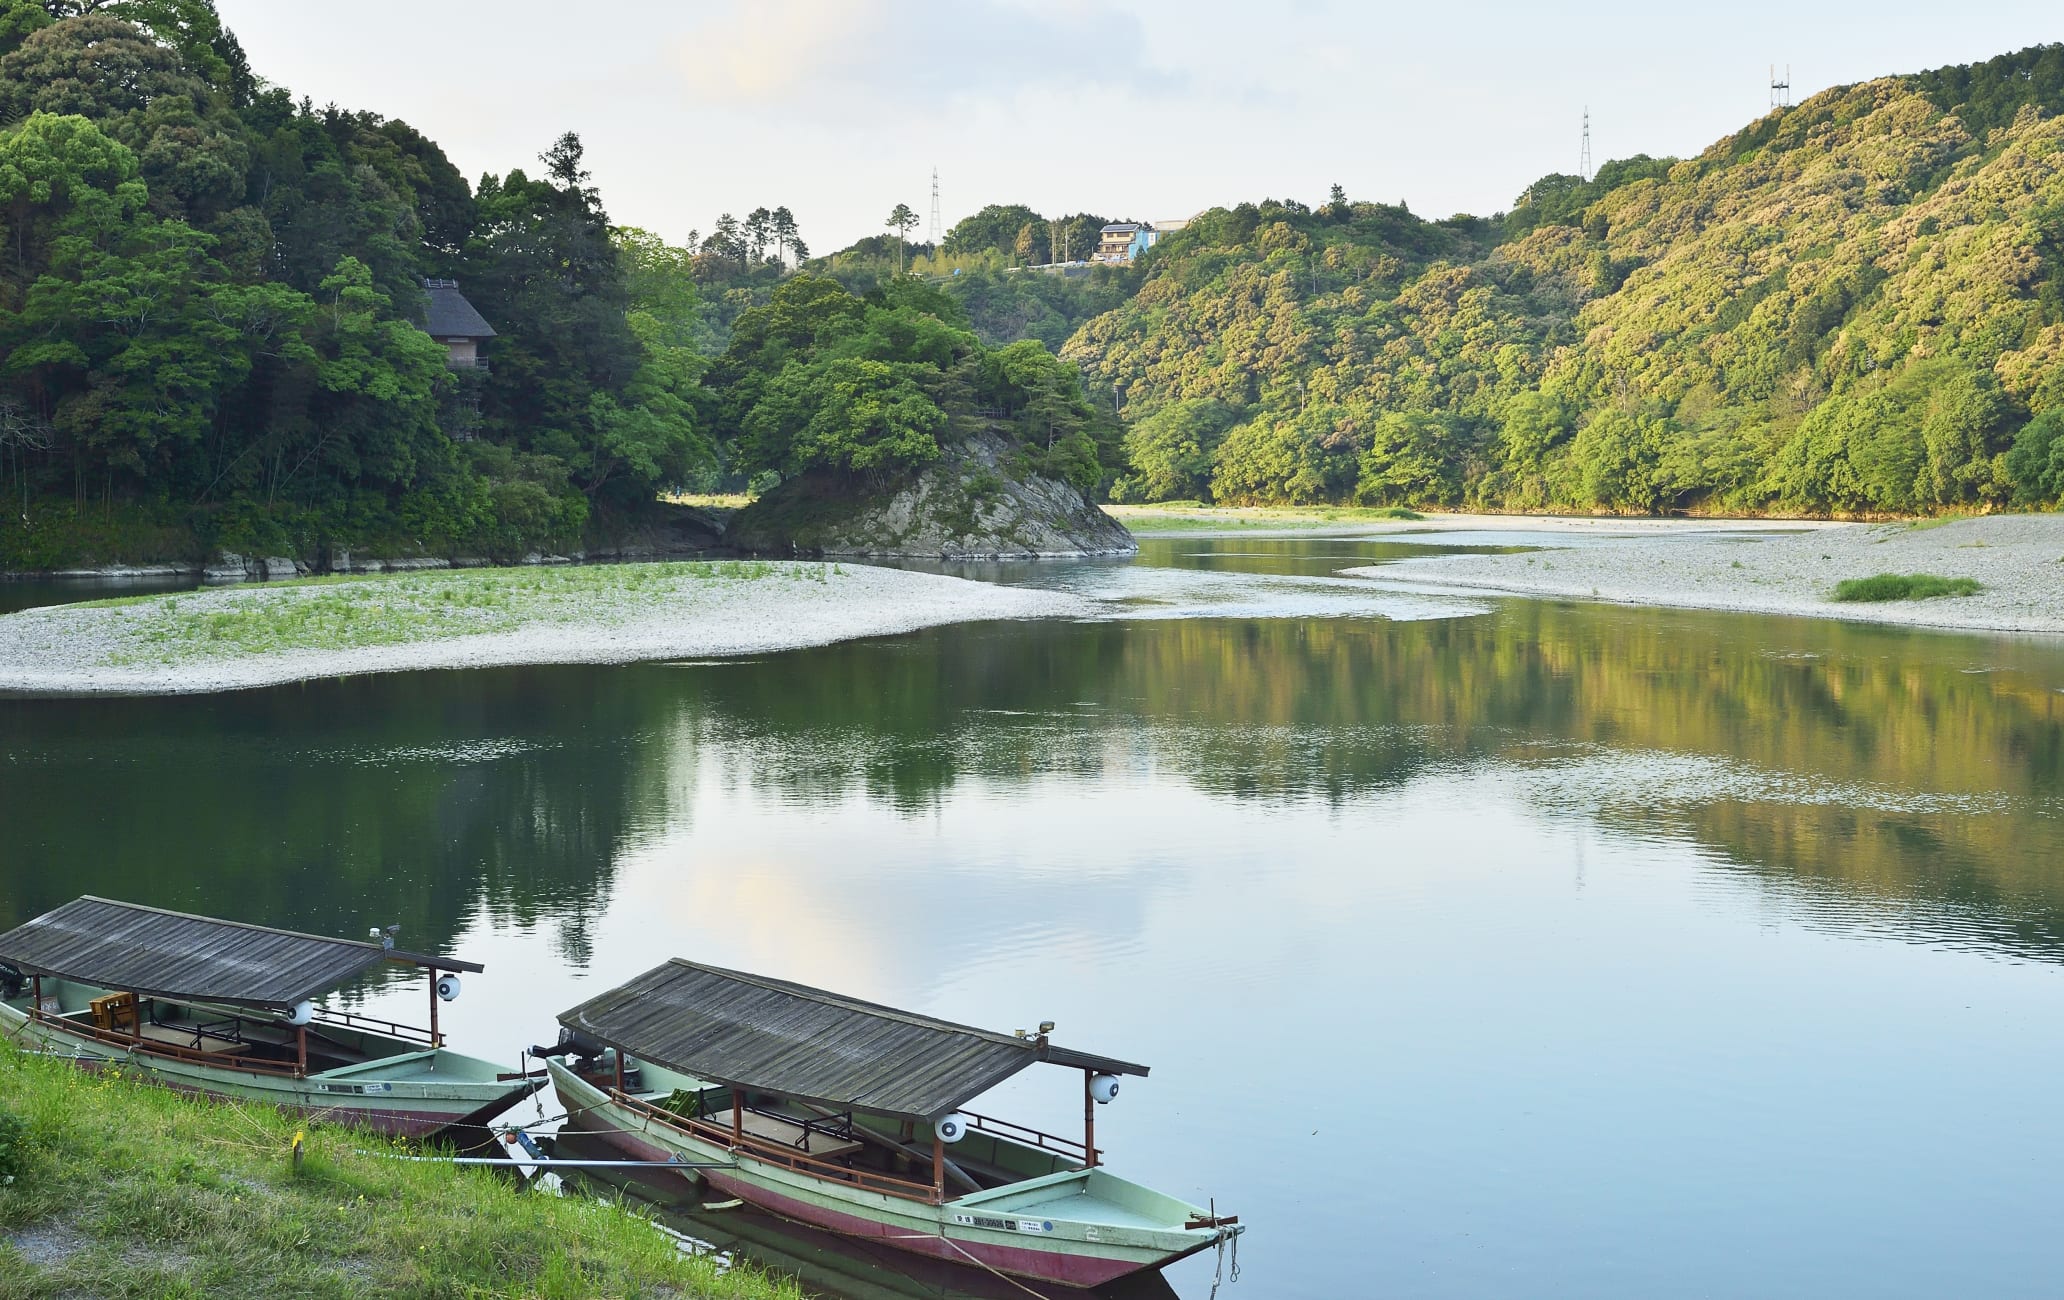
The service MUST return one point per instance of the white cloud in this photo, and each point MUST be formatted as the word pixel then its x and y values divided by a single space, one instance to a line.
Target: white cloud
pixel 846 55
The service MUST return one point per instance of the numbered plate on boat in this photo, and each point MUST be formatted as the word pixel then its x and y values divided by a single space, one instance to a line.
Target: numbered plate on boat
pixel 1004 1225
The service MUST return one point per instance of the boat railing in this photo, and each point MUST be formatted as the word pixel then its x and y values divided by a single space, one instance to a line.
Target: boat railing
pixel 711 1130
pixel 373 1024
pixel 152 1047
pixel 1025 1136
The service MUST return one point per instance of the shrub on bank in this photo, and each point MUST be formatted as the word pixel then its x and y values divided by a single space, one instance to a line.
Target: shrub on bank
pixel 1903 586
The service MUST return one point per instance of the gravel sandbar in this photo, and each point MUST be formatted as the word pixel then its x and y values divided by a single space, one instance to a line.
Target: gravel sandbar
pixel 216 640
pixel 2018 559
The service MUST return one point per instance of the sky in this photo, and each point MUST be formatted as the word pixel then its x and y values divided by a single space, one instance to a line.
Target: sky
pixel 1141 109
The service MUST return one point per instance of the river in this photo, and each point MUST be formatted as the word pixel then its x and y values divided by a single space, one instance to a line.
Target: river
pixel 1479 947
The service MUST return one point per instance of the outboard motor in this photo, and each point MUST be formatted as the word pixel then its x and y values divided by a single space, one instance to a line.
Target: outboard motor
pixel 572 1042
pixel 12 982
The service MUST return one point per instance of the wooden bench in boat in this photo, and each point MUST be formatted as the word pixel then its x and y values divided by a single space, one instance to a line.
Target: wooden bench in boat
pixel 787 1133
pixel 192 1038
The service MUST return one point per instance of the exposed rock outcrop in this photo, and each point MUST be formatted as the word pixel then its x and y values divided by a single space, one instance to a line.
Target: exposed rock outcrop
pixel 973 503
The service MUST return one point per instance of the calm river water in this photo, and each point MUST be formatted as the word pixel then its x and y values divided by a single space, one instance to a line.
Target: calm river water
pixel 1480 948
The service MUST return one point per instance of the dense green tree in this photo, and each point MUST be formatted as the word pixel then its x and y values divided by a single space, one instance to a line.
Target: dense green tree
pixel 993 229
pixel 18 20
pixel 1030 246
pixel 1411 459
pixel 1171 451
pixel 1278 458
pixel 1073 238
pixel 823 381
pixel 848 415
pixel 1005 306
pixel 543 263
pixel 2036 462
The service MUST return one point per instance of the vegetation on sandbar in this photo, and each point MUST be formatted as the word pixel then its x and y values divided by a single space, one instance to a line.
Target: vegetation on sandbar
pixel 124 1189
pixel 350 613
pixel 1196 517
pixel 1903 586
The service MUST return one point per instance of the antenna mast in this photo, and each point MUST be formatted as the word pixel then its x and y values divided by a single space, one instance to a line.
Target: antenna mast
pixel 1584 159
pixel 1781 88
pixel 938 226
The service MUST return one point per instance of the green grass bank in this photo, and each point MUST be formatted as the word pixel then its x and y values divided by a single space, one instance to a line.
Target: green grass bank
pixel 122 1189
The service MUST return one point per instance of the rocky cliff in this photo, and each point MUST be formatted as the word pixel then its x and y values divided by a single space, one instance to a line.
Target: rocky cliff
pixel 973 503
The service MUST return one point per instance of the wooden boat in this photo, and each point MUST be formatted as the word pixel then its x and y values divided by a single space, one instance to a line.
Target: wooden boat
pixel 821 1263
pixel 227 1010
pixel 848 1116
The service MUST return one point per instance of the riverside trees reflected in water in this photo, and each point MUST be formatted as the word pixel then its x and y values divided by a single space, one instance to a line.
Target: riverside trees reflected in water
pixel 1560 927
pixel 1910 767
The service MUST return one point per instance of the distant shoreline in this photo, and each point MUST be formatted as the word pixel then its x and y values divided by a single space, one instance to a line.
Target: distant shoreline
pixel 245 636
pixel 1261 521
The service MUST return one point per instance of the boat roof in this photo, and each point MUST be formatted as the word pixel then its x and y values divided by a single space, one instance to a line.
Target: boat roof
pixel 751 1031
pixel 151 951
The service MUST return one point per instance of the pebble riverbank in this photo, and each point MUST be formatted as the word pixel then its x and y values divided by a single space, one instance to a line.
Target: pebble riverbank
pixel 1762 568
pixel 239 637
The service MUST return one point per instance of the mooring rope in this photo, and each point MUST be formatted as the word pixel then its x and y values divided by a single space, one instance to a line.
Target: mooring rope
pixel 1219 1277
pixel 971 1258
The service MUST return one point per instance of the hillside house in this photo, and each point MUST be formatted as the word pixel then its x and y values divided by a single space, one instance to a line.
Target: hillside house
pixel 1121 241
pixel 453 322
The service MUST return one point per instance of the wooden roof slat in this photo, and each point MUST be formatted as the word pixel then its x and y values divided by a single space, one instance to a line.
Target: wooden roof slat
pixel 153 951
pixel 809 1044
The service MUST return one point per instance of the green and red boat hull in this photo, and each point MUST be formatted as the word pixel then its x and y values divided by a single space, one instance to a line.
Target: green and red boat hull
pixel 1017 1230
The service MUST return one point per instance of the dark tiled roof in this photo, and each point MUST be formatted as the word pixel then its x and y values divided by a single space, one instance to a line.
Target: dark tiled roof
pixel 146 950
pixel 810 1045
pixel 451 316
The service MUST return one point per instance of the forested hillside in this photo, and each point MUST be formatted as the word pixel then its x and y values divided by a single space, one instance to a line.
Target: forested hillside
pixel 211 299
pixel 1854 305
pixel 208 307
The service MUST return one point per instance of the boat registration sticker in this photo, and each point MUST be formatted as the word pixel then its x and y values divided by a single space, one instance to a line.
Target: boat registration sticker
pixel 1003 1225
pixel 358 1089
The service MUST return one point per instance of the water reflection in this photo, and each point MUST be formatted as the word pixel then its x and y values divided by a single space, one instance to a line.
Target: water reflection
pixel 28 593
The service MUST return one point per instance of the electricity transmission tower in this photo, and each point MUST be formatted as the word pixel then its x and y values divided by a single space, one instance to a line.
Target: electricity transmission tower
pixel 1781 89
pixel 938 225
pixel 1584 159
